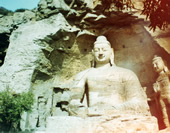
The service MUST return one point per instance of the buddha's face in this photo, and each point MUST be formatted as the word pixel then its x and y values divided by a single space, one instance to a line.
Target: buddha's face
pixel 102 53
pixel 158 65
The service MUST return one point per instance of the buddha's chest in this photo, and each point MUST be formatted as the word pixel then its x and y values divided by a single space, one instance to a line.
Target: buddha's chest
pixel 105 82
pixel 105 87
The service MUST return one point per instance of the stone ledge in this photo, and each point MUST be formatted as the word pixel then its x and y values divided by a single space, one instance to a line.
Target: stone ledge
pixel 102 124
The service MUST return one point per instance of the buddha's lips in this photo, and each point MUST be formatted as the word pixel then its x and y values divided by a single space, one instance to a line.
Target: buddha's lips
pixel 101 56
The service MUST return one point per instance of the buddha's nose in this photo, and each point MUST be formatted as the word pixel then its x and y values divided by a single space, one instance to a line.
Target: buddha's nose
pixel 100 52
pixel 155 67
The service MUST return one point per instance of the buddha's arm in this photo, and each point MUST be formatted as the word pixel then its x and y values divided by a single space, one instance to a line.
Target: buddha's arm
pixel 135 97
pixel 77 94
pixel 78 87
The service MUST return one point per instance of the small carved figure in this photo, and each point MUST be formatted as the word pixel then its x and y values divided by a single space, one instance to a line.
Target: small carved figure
pixel 107 87
pixel 162 88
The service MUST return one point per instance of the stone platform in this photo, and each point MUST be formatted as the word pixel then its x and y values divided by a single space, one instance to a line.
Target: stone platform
pixel 102 124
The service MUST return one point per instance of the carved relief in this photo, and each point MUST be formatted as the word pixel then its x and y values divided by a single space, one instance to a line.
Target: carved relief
pixel 162 88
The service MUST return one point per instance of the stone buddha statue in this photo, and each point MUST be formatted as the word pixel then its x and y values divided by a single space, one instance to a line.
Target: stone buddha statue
pixel 106 88
pixel 162 88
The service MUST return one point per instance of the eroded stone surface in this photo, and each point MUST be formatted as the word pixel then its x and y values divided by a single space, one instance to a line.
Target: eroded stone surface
pixel 114 123
pixel 41 51
pixel 162 88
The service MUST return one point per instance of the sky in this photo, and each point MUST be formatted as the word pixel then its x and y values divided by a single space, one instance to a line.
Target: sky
pixel 17 4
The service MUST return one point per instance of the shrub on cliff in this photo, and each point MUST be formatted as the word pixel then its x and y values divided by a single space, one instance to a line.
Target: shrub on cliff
pixel 12 106
pixel 20 10
pixel 4 11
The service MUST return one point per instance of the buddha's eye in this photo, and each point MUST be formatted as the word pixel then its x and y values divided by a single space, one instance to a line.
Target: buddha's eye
pixel 104 50
pixel 96 50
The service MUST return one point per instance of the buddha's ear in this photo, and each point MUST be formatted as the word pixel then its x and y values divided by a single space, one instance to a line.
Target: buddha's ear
pixel 93 63
pixel 112 52
pixel 112 57
pixel 92 52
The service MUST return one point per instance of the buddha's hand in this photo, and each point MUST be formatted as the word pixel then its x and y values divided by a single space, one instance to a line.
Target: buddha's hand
pixel 156 87
pixel 112 110
pixel 76 108
pixel 100 111
pixel 76 103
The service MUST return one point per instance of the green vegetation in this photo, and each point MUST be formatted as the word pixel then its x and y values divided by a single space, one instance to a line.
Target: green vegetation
pixel 12 106
pixel 120 4
pixel 4 11
pixel 20 10
pixel 157 11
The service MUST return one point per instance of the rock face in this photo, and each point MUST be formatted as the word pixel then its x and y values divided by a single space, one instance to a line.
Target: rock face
pixel 28 55
pixel 27 64
pixel 10 23
pixel 48 47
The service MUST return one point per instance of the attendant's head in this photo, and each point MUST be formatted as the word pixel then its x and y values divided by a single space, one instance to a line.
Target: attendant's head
pixel 159 64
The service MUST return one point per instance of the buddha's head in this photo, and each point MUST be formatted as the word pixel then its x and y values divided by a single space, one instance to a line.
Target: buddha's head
pixel 159 64
pixel 102 51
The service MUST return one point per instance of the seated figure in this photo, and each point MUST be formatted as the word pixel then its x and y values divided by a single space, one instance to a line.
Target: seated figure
pixel 106 87
pixel 162 88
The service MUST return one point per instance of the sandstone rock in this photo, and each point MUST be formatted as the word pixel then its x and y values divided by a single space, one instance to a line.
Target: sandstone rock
pixel 23 39
pixel 50 7
pixel 26 64
pixel 6 23
pixel 50 48
pixel 167 130
pixel 42 4
pixel 23 121
pixel 18 18
pixel 59 4
pixel 55 4
pixel 89 3
pixel 161 37
pixel 65 124
pixel 102 124
pixel 10 23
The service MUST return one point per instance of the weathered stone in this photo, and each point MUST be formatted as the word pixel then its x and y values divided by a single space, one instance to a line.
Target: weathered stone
pixel 26 63
pixel 42 50
pixel 167 130
pixel 57 4
pixel 122 123
pixel 89 3
pixel 161 37
pixel 42 4
pixel 65 124
pixel 23 121
pixel 22 40
pixel 18 18
pixel 162 88
pixel 60 4
pixel 6 23
pixel 31 121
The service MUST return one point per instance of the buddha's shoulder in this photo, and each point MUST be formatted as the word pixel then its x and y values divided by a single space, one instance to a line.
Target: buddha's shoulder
pixel 82 74
pixel 122 70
